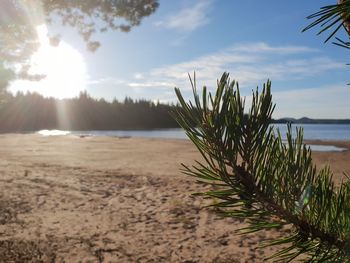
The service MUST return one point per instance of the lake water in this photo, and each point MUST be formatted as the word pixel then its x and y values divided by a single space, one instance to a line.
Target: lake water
pixel 325 132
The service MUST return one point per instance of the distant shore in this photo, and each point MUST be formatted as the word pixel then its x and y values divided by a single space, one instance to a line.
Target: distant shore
pixel 118 199
pixel 306 120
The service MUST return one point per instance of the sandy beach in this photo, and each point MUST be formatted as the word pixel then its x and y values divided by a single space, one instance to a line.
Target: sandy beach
pixel 104 199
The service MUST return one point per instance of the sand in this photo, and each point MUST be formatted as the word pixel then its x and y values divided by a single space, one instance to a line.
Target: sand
pixel 72 199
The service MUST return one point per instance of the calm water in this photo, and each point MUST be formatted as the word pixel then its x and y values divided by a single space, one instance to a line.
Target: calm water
pixel 326 132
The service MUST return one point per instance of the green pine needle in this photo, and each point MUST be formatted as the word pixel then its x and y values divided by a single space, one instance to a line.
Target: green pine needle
pixel 258 177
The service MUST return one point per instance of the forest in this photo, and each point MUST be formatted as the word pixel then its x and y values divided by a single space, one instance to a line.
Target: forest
pixel 26 112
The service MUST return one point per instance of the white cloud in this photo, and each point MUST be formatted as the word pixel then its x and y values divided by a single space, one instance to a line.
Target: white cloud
pixel 189 18
pixel 263 47
pixel 138 76
pixel 248 63
pixel 151 84
pixel 251 64
pixel 324 102
pixel 106 80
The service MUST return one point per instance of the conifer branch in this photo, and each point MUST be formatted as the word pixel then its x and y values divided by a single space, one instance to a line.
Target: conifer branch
pixel 260 178
pixel 332 18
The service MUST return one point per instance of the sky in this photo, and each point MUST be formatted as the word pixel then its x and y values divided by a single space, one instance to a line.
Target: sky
pixel 252 40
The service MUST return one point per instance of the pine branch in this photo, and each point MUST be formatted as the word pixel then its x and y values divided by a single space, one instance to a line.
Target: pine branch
pixel 262 179
pixel 331 19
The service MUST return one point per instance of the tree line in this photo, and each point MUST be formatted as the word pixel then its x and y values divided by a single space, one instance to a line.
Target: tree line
pixel 31 112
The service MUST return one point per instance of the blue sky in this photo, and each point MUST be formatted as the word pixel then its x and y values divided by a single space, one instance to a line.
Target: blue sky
pixel 252 40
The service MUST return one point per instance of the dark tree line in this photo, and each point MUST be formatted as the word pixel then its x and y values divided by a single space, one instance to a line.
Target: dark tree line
pixel 32 112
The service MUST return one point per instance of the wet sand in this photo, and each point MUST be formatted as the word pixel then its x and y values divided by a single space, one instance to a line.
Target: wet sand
pixel 73 199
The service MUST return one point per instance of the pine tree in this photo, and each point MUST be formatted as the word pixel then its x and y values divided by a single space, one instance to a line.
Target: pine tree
pixel 258 177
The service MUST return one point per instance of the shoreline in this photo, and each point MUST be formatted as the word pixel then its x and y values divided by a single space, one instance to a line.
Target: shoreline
pixel 117 199
pixel 338 143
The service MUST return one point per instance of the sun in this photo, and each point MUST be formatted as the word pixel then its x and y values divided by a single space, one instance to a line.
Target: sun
pixel 63 66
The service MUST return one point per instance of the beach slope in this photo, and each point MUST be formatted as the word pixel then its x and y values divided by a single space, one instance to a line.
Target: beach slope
pixel 109 199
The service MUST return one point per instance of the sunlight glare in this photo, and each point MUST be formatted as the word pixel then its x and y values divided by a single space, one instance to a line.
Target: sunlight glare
pixel 53 132
pixel 63 66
